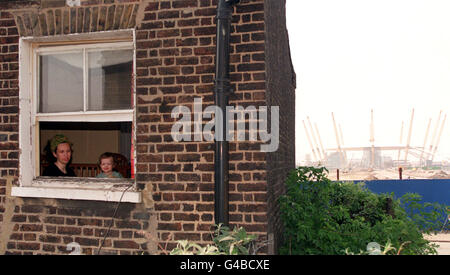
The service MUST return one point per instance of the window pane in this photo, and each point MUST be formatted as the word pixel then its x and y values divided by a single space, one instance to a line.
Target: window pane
pixel 110 80
pixel 61 82
pixel 89 140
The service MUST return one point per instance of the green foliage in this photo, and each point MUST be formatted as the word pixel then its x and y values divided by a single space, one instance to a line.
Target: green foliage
pixel 234 242
pixel 226 242
pixel 185 247
pixel 325 217
pixel 424 214
pixel 376 249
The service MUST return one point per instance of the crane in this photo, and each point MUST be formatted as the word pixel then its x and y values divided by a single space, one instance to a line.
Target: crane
pixel 438 138
pixel 309 140
pixel 425 141
pixel 434 134
pixel 321 146
pixel 341 155
pixel 401 140
pixel 314 140
pixel 409 136
pixel 372 140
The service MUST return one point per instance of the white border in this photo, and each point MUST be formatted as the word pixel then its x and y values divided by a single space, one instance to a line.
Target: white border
pixel 77 194
pixel 63 188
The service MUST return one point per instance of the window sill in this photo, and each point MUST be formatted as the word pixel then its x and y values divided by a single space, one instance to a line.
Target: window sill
pixel 110 190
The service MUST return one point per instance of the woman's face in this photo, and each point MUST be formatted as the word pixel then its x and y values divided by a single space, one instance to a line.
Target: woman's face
pixel 106 165
pixel 63 153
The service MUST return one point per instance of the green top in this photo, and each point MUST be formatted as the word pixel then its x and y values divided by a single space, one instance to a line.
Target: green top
pixel 113 175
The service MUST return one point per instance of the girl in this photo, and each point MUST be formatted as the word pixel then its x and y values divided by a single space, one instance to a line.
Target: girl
pixel 107 164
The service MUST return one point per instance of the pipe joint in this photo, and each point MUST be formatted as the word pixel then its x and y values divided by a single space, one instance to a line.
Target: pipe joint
pixel 232 2
pixel 225 9
pixel 224 14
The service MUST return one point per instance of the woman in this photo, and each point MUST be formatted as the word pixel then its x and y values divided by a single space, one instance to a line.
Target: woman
pixel 61 149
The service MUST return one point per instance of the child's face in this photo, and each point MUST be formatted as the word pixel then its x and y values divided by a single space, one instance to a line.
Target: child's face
pixel 106 165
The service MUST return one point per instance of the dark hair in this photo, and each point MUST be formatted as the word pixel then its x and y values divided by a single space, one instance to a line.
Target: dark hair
pixel 48 156
pixel 105 156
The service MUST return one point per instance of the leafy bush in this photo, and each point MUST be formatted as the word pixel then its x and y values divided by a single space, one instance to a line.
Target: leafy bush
pixel 185 247
pixel 236 242
pixel 424 214
pixel 325 217
pixel 226 242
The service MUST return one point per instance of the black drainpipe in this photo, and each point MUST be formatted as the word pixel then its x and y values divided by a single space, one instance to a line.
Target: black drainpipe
pixel 222 90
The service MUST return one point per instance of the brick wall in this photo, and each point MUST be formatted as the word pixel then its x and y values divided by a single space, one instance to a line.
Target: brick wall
pixel 176 49
pixel 9 102
pixel 9 95
pixel 46 226
pixel 281 81
pixel 175 63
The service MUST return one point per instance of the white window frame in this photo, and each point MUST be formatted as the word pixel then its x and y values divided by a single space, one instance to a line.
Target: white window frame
pixel 30 184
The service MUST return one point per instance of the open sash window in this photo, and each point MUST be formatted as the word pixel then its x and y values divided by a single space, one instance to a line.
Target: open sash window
pixel 85 91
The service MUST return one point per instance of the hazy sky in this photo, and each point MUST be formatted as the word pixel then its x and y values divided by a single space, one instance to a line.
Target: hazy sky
pixel 351 56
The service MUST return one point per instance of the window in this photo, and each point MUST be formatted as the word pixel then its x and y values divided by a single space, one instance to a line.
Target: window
pixel 82 83
pixel 84 78
pixel 85 91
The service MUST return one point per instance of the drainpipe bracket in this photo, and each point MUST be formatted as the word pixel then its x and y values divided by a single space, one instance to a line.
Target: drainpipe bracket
pixel 232 2
pixel 225 11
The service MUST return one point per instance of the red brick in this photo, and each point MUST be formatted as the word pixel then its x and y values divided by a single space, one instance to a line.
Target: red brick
pixel 205 207
pixel 29 237
pixel 125 244
pixel 186 217
pixel 187 196
pixel 166 216
pixel 169 226
pixel 168 14
pixel 19 218
pixel 31 227
pixel 48 248
pixel 171 187
pixel 16 236
pixel 247 187
pixel 184 4
pixel 28 246
pixel 87 241
pixel 90 222
pixel 101 233
pixel 69 230
pixel 188 236
pixel 252 208
pixel 205 31
pixel 50 239
pixel 54 220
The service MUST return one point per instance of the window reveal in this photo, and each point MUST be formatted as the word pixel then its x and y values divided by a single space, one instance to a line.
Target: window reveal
pixel 68 80
pixel 91 85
